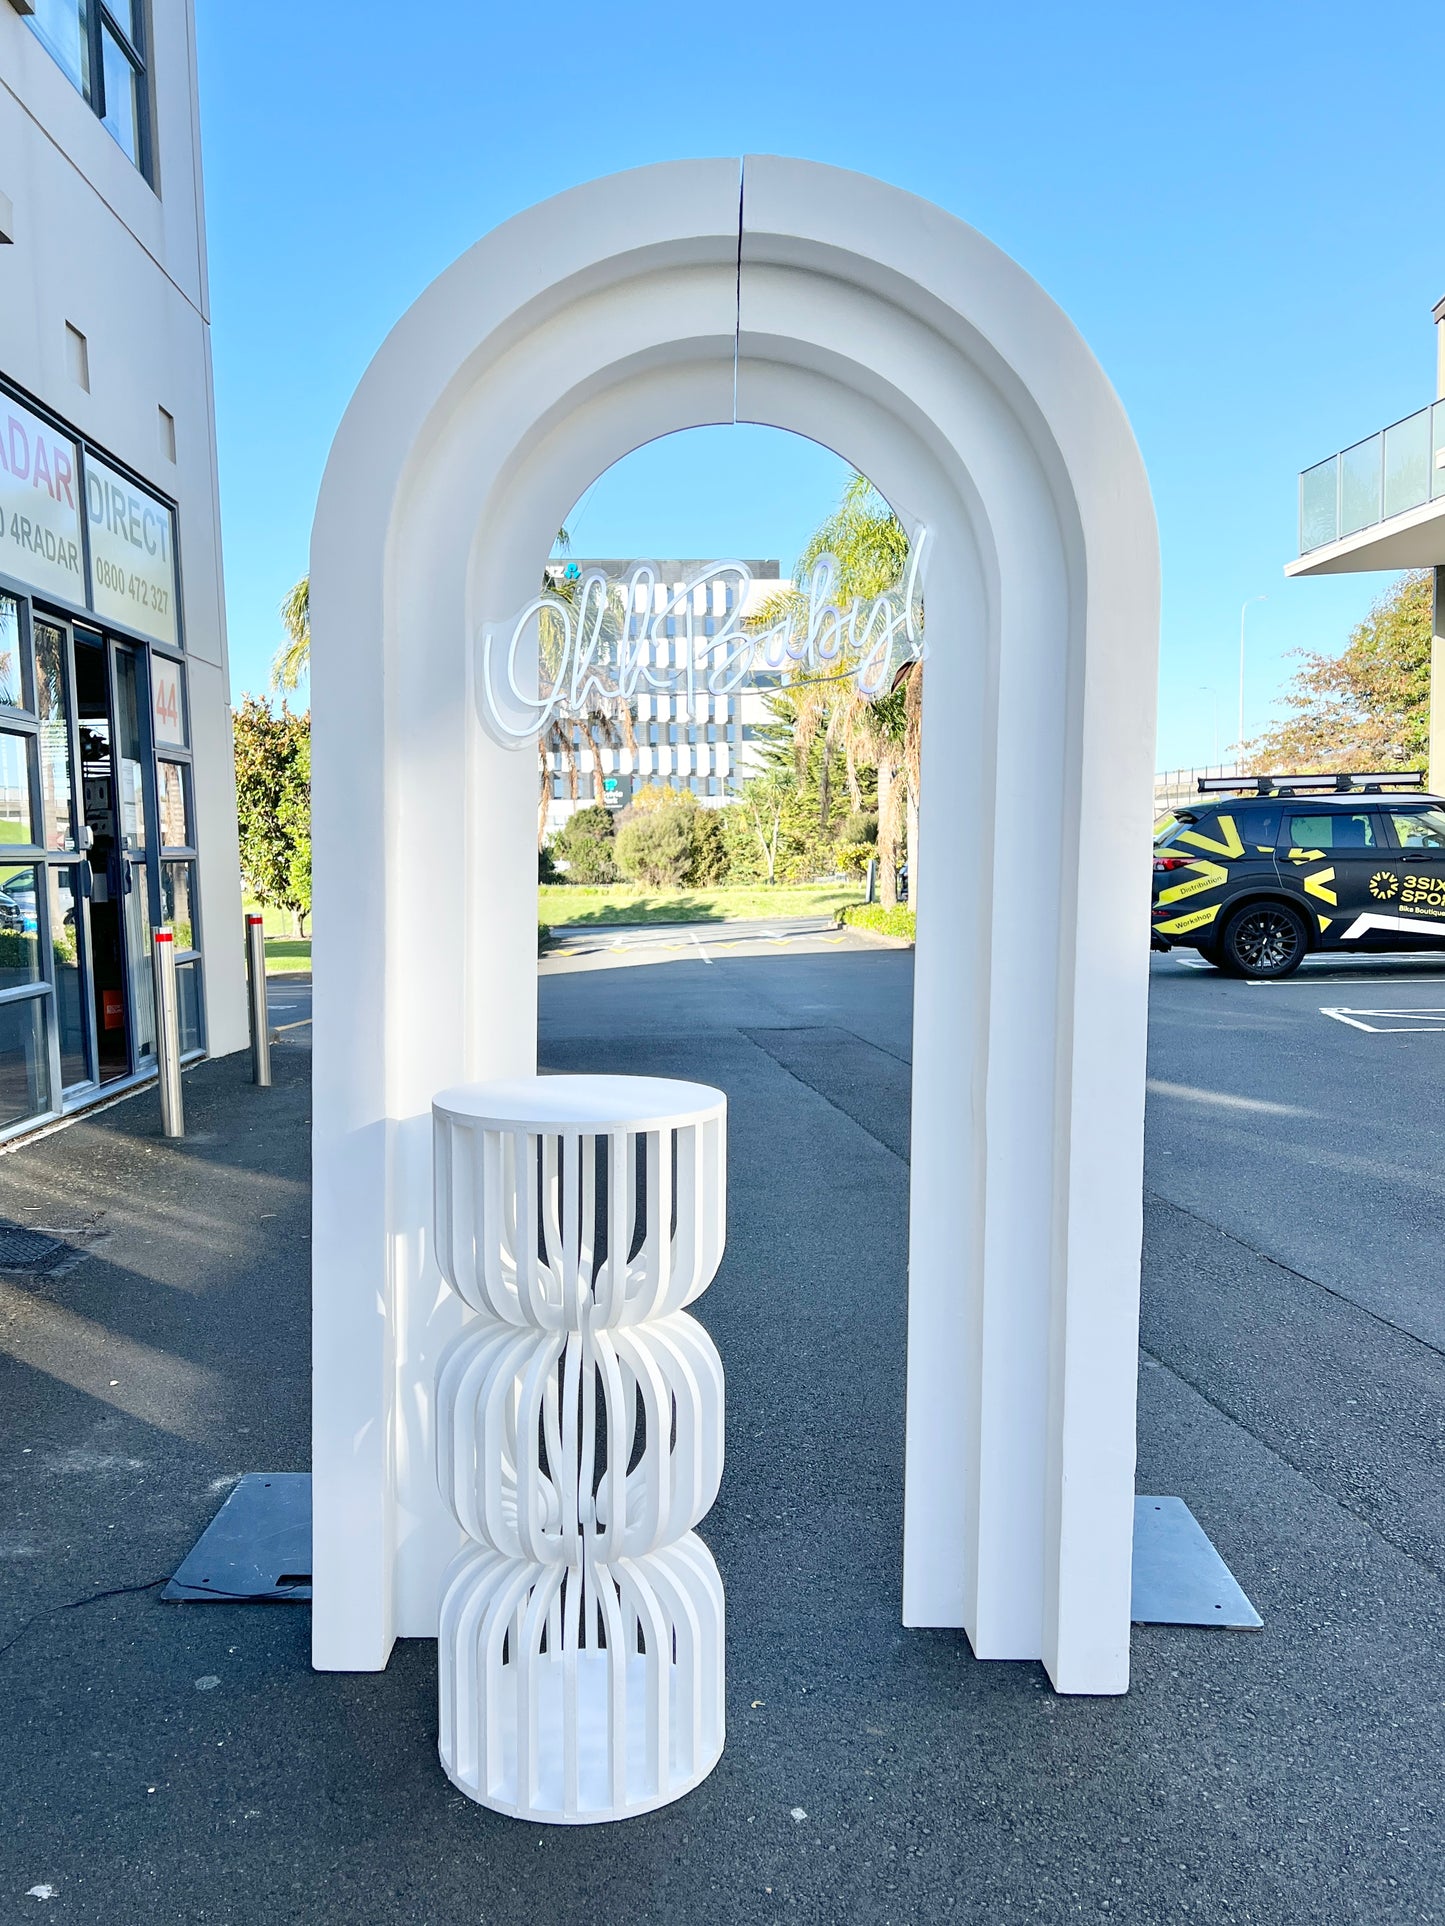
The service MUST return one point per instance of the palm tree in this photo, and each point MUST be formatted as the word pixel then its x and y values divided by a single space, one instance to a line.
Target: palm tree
pixel 292 661
pixel 881 731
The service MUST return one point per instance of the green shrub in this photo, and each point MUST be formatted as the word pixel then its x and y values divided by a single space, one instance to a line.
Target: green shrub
pixel 709 847
pixel 853 858
pixel 657 847
pixel 586 844
pixel 858 826
pixel 883 922
pixel 745 860
pixel 547 871
pixel 19 956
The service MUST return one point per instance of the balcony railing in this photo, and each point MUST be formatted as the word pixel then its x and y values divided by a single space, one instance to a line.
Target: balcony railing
pixel 1389 474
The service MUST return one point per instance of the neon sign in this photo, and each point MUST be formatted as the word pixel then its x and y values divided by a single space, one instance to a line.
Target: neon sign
pixel 564 657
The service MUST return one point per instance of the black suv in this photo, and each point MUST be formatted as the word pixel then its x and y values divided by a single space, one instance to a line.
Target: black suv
pixel 1257 878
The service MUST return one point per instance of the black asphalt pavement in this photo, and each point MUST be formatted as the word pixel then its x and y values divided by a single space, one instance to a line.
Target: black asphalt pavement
pixel 182 1763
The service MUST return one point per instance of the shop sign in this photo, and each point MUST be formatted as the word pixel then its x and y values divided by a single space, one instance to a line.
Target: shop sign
pixel 39 505
pixel 564 657
pixel 132 553
pixel 168 720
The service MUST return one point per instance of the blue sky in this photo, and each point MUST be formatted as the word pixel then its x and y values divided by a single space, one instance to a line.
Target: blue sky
pixel 1231 203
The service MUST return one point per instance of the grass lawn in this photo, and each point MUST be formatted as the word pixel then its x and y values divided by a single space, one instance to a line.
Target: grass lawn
pixel 284 952
pixel 559 904
pixel 287 953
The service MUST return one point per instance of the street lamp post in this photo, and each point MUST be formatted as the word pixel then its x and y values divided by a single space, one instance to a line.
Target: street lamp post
pixel 1239 739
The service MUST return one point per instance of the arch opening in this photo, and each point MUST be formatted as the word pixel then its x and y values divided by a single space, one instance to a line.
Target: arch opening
pixel 842 310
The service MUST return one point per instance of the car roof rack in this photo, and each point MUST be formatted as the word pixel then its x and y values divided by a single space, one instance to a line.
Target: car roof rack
pixel 1351 783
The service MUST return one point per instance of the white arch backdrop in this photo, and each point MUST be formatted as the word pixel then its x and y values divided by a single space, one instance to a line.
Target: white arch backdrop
pixel 833 305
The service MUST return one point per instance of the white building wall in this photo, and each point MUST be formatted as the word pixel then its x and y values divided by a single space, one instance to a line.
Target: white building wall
pixel 94 245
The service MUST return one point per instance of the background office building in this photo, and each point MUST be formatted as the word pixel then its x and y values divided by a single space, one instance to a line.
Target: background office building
pixel 706 747
pixel 117 790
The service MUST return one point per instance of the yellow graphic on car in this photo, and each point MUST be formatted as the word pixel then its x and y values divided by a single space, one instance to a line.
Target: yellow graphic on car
pixel 1210 876
pixel 1305 855
pixel 1319 885
pixel 1226 844
pixel 1195 920
pixel 1384 885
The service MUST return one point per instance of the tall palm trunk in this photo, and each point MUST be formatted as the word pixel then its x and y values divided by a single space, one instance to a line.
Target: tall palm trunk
pixel 890 800
pixel 912 845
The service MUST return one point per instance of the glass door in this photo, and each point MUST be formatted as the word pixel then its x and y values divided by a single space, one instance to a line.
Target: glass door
pixel 133 763
pixel 66 870
pixel 109 870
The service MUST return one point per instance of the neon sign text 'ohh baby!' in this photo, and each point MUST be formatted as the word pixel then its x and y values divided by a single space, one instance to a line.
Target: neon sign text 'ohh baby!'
pixel 563 658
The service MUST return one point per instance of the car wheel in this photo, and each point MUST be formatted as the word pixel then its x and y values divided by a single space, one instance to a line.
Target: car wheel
pixel 1264 940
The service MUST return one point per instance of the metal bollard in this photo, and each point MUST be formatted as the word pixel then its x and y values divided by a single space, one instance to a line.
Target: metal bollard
pixel 168 1033
pixel 256 982
pixel 872 895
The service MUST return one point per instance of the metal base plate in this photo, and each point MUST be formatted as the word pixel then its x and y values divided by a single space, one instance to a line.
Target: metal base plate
pixel 1179 1578
pixel 258 1545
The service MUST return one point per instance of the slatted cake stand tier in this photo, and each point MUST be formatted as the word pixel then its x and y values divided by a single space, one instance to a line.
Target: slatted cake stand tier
pixel 579 1440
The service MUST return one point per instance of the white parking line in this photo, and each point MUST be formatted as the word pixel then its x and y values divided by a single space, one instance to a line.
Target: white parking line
pixel 1395 1022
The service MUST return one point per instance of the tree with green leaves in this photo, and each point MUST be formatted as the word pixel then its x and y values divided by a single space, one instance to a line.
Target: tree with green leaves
pixel 1366 708
pixel 881 732
pixel 586 844
pixel 273 804
pixel 763 802
pixel 657 847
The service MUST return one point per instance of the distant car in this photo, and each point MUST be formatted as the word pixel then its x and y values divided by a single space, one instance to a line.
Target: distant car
pixel 1258 877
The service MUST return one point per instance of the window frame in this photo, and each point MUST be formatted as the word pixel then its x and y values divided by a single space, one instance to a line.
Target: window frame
pixel 1384 842
pixel 84 611
pixel 34 856
pixel 93 18
pixel 1390 811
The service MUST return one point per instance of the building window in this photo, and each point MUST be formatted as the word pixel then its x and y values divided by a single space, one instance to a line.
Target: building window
pixel 175 805
pixel 100 46
pixel 178 900
pixel 12 689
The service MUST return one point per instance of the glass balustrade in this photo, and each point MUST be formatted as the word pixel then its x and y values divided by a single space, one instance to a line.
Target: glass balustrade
pixel 1388 474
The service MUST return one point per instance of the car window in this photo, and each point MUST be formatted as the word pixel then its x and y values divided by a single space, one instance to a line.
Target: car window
pixel 1259 828
pixel 1419 828
pixel 1333 830
pixel 1165 828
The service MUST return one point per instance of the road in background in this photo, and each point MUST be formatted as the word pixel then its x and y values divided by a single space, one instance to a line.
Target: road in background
pixel 288 999
pixel 1316 1141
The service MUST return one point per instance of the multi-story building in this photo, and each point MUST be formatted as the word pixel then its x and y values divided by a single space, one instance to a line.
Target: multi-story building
pixel 708 746
pixel 1380 504
pixel 117 788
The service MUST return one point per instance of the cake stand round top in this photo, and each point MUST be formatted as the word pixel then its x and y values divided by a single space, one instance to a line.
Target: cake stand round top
pixel 586 1103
